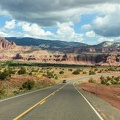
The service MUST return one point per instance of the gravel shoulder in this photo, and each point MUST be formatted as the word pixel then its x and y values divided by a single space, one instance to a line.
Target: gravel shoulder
pixel 106 110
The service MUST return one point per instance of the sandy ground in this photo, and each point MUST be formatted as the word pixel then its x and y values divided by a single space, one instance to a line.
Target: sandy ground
pixel 111 94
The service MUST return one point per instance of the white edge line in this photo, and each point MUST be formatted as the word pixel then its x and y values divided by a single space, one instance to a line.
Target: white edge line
pixel 27 93
pixel 89 103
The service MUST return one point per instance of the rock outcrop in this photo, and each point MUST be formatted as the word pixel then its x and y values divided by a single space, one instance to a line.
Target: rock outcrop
pixel 82 59
pixel 4 44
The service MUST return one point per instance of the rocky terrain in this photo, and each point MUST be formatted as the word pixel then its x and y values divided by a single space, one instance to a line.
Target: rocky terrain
pixel 4 44
pixel 11 51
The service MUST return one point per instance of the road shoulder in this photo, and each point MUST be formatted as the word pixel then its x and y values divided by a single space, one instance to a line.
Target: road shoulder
pixel 107 111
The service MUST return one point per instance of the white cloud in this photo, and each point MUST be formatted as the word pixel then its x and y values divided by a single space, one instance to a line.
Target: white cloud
pixel 87 27
pixel 108 25
pixel 33 30
pixel 66 32
pixel 65 12
pixel 48 13
pixel 90 34
pixel 10 24
pixel 2 34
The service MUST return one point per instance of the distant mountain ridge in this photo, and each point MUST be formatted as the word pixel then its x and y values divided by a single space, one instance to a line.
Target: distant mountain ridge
pixel 67 47
pixel 44 44
pixel 68 53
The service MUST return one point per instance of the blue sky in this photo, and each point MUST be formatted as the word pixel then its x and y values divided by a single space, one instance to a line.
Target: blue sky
pixel 88 21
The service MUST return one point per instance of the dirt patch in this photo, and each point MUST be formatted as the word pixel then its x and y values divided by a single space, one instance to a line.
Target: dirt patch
pixel 110 94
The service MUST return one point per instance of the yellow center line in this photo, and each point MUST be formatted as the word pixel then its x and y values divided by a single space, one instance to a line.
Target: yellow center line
pixel 42 102
pixel 39 103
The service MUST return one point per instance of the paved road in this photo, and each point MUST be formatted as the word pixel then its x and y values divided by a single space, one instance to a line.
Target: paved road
pixel 61 102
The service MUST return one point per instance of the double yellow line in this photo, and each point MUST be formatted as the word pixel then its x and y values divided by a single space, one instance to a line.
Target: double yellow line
pixel 39 103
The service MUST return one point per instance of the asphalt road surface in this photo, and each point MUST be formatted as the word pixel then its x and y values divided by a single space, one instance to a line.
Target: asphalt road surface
pixel 60 102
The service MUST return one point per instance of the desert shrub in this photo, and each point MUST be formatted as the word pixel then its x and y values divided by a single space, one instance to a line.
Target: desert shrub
pixel 102 78
pixel 112 69
pixel 41 71
pixel 49 74
pixel 84 72
pixel 30 73
pixel 103 82
pixel 96 69
pixel 22 71
pixel 100 71
pixel 16 92
pixel 91 72
pixel 11 71
pixel 91 80
pixel 110 80
pixel 5 74
pixel 76 72
pixel 56 77
pixel 117 79
pixel 61 72
pixel 70 70
pixel 28 85
pixel 9 62
pixel 2 89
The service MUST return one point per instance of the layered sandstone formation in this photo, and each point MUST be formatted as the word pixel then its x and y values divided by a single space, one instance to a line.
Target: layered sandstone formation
pixel 4 44
pixel 90 49
pixel 10 51
pixel 83 59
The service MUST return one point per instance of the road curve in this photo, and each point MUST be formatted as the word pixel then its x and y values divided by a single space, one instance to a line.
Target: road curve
pixel 60 102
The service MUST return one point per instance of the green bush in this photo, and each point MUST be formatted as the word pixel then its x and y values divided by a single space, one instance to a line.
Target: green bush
pixel 91 80
pixel 61 72
pixel 30 73
pixel 102 78
pixel 9 62
pixel 11 71
pixel 56 77
pixel 110 80
pixel 2 90
pixel 22 71
pixel 49 74
pixel 91 72
pixel 76 72
pixel 84 72
pixel 103 82
pixel 28 85
pixel 69 69
pixel 5 74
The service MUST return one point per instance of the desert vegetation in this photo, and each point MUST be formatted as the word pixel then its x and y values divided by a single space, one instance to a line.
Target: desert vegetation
pixel 109 80
pixel 19 77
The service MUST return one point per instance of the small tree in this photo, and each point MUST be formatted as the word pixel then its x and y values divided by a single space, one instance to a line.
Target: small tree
pixel 28 85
